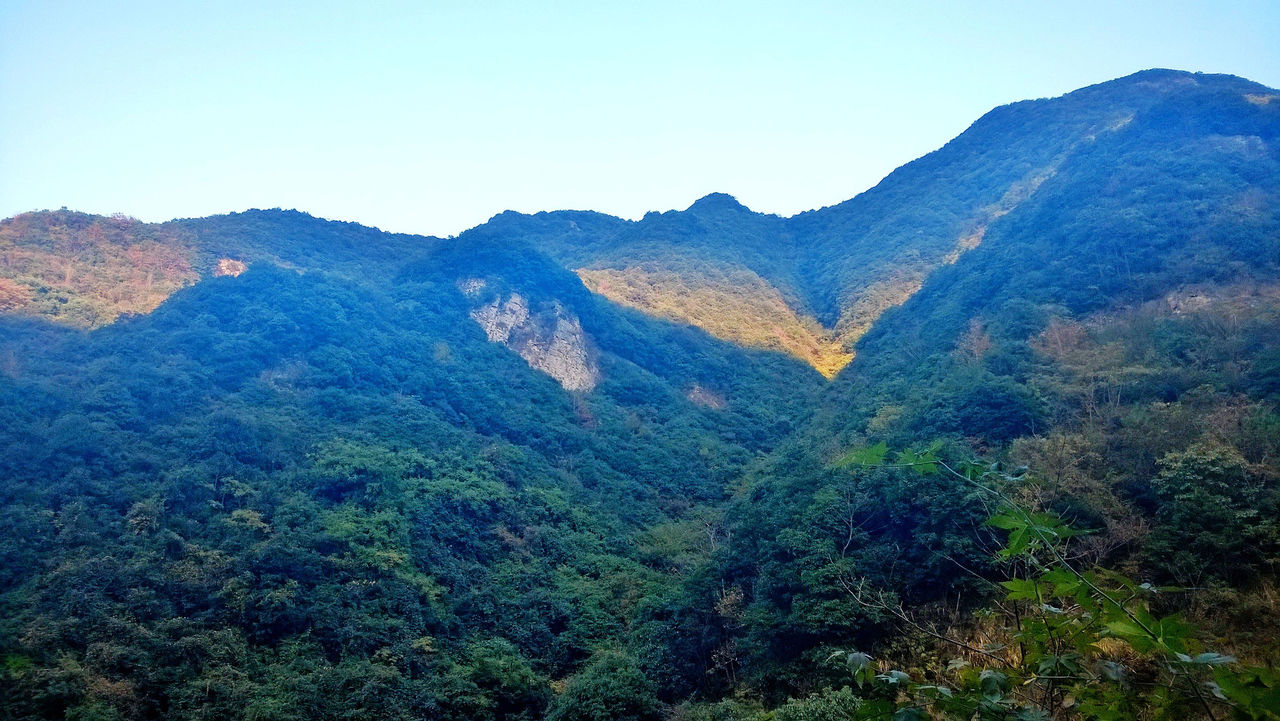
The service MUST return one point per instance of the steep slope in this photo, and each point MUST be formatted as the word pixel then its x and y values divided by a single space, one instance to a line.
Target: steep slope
pixel 866 254
pixel 716 265
pixel 1114 330
pixel 838 269
pixel 86 270
pixel 1187 192
pixel 349 474
pixel 282 478
pixel 728 302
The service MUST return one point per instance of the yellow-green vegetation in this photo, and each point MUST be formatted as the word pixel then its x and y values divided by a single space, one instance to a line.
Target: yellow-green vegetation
pixel 907 275
pixel 731 303
pixel 875 299
pixel 87 270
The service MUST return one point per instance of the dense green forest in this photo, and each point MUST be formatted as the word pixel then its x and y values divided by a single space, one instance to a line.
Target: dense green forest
pixel 267 466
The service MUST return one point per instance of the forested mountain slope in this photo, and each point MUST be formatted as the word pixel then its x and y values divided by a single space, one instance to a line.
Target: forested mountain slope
pixel 810 285
pixel 814 283
pixel 279 482
pixel 85 270
pixel 1181 200
pixel 1115 331
pixel 265 465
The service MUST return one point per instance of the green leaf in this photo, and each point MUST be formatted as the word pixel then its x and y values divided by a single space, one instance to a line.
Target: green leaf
pixel 1126 630
pixel 894 677
pixel 860 665
pixel 1019 541
pixel 993 684
pixel 858 660
pixel 924 463
pixel 1065 583
pixel 1006 521
pixel 869 456
pixel 1213 659
pixel 1020 589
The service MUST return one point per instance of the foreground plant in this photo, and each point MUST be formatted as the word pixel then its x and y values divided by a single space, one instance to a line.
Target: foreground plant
pixel 1080 643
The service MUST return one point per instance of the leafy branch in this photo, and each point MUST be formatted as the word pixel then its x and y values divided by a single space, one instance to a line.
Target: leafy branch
pixel 1087 643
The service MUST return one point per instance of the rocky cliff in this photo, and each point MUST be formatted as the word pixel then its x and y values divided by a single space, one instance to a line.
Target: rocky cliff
pixel 550 340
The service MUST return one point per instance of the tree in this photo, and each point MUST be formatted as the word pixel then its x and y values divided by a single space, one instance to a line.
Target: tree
pixel 1217 519
pixel 1073 644
pixel 610 687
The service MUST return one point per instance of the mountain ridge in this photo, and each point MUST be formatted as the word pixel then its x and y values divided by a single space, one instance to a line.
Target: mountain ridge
pixel 826 275
pixel 267 465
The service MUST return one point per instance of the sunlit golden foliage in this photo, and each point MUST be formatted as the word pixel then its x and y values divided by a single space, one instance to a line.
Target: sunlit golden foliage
pixel 87 270
pixel 728 302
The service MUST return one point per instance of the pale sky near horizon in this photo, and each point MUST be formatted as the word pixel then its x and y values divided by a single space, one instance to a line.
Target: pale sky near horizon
pixel 431 117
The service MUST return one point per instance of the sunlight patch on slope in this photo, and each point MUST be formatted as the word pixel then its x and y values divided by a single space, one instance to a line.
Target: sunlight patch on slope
pixel 966 243
pixel 730 303
pixel 87 275
pixel 902 282
pixel 874 300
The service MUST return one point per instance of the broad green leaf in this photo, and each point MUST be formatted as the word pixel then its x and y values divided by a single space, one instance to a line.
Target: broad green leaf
pixel 1020 589
pixel 1019 541
pixel 993 683
pixel 1006 521
pixel 858 660
pixel 1126 630
pixel 869 456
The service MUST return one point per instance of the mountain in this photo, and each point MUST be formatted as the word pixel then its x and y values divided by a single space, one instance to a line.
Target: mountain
pixel 567 465
pixel 296 459
pixel 810 285
pixel 837 269
pixel 86 270
pixel 1185 195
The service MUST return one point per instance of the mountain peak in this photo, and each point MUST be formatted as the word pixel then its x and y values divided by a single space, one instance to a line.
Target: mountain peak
pixel 1165 80
pixel 718 202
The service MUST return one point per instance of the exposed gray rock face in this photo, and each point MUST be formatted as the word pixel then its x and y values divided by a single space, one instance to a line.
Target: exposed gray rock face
pixel 705 398
pixel 471 287
pixel 551 341
pixel 499 319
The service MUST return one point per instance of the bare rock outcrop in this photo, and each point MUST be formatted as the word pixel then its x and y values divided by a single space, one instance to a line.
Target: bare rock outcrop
pixel 550 340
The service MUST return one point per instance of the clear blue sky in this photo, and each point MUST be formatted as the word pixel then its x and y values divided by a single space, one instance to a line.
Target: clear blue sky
pixel 431 117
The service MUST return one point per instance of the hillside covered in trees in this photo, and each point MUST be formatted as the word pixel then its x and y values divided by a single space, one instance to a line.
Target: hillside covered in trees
pixel 998 438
